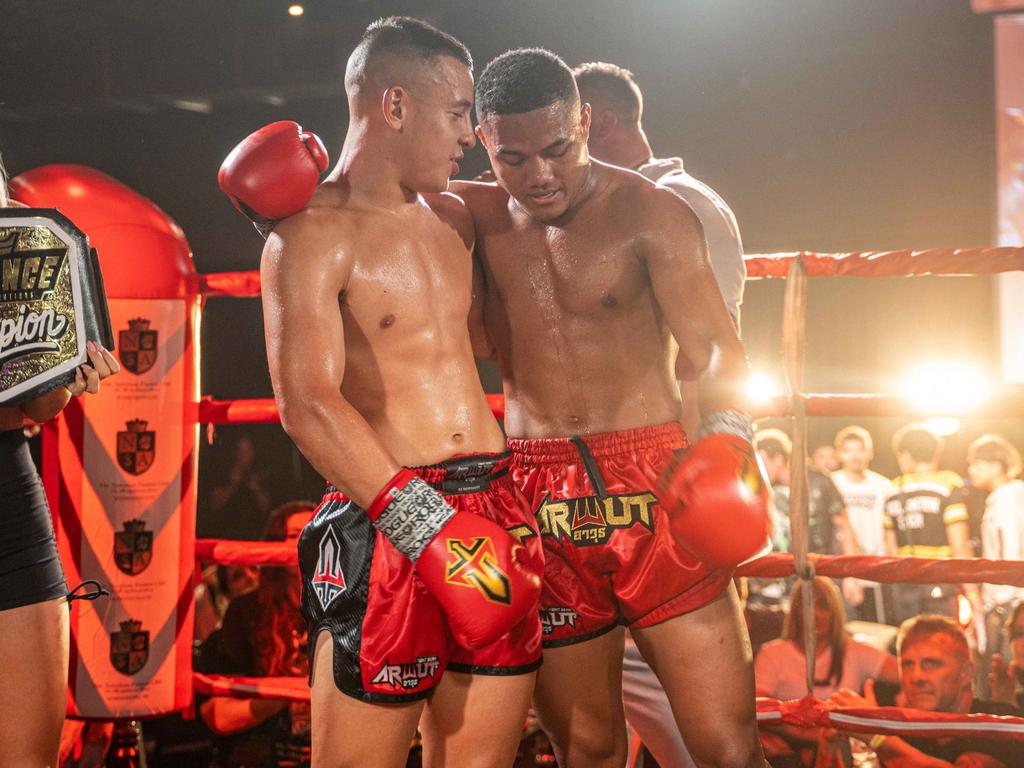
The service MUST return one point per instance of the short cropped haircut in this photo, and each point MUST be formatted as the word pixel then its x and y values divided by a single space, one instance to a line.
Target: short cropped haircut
pixel 402 36
pixel 616 84
pixel 926 625
pixel 853 432
pixel 523 80
pixel 917 440
pixel 998 449
pixel 774 442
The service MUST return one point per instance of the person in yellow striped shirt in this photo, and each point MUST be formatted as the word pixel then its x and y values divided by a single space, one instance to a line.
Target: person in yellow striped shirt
pixel 925 516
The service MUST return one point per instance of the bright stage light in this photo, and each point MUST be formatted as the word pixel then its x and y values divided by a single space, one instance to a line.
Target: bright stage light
pixel 296 10
pixel 946 388
pixel 761 387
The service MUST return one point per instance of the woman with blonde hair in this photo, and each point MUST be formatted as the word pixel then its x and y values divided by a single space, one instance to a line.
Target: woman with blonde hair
pixel 839 662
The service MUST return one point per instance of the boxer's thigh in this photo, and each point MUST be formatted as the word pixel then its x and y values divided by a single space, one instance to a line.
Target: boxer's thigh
pixel 475 721
pixel 649 712
pixel 704 662
pixel 349 733
pixel 34 646
pixel 579 701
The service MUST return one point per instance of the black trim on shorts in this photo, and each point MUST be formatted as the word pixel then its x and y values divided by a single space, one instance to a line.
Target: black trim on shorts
pixel 474 669
pixel 575 640
pixel 596 479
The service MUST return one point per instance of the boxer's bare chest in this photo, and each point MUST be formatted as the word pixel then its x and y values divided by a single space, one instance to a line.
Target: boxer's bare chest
pixel 581 274
pixel 409 274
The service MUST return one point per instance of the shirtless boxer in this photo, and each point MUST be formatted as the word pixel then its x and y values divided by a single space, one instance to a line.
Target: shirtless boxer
pixel 366 295
pixel 591 272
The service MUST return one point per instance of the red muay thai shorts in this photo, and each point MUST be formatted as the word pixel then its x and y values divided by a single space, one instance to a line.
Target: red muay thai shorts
pixel 610 558
pixel 390 636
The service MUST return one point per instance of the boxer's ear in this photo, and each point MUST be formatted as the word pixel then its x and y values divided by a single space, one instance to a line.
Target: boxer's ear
pixel 395 105
pixel 480 135
pixel 585 122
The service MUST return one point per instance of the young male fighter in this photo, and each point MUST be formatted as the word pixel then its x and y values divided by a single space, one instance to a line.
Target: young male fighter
pixel 366 295
pixel 591 273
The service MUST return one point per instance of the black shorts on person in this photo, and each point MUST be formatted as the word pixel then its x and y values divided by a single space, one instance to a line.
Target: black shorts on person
pixel 30 570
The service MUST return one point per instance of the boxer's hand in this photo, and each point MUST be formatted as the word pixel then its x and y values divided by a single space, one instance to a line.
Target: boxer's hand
pixel 88 377
pixel 273 172
pixel 716 496
pixel 484 579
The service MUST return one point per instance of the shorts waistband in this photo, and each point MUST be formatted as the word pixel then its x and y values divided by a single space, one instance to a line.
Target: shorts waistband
pixel 561 449
pixel 464 473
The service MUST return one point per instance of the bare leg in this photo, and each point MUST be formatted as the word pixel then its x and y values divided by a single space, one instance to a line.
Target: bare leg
pixel 351 733
pixel 475 721
pixel 703 661
pixel 579 702
pixel 34 641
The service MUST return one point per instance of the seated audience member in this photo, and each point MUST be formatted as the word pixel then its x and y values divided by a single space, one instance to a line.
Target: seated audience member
pixel 925 516
pixel 935 675
pixel 238 507
pixel 1006 679
pixel 263 634
pixel 220 585
pixel 863 493
pixel 840 662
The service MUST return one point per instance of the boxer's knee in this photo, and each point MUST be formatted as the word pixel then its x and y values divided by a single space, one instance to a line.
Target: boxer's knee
pixel 737 751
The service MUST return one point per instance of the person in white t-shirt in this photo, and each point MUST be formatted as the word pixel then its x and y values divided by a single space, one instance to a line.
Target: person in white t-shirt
pixel 864 493
pixel 617 137
pixel 840 662
pixel 994 465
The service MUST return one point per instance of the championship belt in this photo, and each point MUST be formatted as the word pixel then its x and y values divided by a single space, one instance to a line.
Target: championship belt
pixel 51 302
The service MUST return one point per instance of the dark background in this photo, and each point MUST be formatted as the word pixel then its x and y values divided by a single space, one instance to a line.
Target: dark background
pixel 826 124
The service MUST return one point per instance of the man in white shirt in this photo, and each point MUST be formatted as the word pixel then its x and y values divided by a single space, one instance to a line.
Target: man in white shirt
pixel 994 465
pixel 864 494
pixel 617 137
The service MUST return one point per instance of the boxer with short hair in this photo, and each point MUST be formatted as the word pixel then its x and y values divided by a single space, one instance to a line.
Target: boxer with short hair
pixel 592 275
pixel 415 583
pixel 34 627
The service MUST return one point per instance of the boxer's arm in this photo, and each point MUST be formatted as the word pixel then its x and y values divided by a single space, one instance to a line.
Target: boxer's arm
pixel 304 269
pixel 673 247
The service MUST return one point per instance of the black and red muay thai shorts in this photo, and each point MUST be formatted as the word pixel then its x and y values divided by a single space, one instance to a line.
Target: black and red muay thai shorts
pixel 391 638
pixel 610 558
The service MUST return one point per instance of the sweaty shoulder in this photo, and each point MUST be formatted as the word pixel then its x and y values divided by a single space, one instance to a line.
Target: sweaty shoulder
pixel 484 201
pixel 452 210
pixel 318 237
pixel 646 202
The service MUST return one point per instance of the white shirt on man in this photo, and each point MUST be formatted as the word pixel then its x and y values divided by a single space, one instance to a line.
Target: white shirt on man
pixel 1002 537
pixel 865 507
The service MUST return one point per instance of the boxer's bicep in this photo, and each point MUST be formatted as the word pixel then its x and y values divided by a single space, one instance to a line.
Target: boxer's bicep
pixel 687 293
pixel 302 281
pixel 483 347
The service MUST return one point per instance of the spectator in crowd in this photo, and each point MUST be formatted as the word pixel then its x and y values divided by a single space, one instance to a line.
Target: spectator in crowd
pixel 220 585
pixel 994 465
pixel 824 459
pixel 935 675
pixel 829 527
pixel 1006 679
pixel 925 516
pixel 840 662
pixel 238 508
pixel 864 493
pixel 263 634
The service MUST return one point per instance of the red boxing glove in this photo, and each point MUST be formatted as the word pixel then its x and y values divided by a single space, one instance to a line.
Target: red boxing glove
pixel 484 579
pixel 717 500
pixel 273 172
